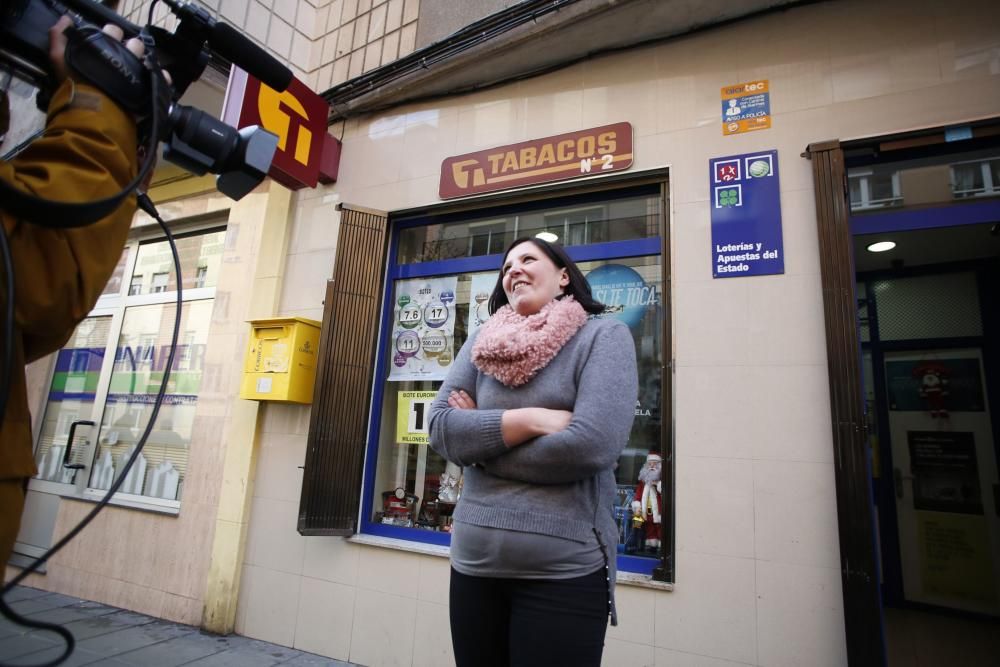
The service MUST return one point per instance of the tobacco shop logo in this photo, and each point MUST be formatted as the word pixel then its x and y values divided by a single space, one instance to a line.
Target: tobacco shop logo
pixel 273 108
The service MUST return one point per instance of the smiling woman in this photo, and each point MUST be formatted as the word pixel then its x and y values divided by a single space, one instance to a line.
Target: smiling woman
pixel 538 407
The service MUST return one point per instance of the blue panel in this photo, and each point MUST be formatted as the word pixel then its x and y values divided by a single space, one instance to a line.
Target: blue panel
pixel 583 253
pixel 962 213
pixel 408 534
pixel 637 564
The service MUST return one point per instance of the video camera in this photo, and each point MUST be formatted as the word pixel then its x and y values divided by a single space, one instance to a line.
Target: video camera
pixel 192 138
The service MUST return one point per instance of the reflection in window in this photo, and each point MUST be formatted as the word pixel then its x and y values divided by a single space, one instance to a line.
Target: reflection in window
pixel 980 178
pixel 200 256
pixel 627 218
pixel 140 360
pixel 114 285
pixel 71 398
pixel 872 188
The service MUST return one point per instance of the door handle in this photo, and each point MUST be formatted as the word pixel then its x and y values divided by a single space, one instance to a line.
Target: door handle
pixel 897 481
pixel 69 448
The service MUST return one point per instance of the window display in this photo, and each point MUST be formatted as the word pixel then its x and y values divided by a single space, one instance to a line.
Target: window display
pixel 433 314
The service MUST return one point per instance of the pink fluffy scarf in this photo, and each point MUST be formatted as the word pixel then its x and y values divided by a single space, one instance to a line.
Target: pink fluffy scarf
pixel 512 348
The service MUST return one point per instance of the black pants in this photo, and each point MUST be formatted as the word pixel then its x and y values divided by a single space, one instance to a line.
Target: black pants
pixel 523 622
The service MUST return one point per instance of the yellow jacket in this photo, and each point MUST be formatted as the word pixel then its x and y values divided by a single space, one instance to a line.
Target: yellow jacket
pixel 88 152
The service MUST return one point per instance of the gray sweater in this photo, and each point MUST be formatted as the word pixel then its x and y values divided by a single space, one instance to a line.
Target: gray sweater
pixel 560 484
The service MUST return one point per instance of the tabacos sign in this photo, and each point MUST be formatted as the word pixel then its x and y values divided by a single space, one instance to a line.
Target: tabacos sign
pixel 599 150
pixel 307 154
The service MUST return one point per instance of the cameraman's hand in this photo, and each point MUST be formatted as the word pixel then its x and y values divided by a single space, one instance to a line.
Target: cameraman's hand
pixel 57 45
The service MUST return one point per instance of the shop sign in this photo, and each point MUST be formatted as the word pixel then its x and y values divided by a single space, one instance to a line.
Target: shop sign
pixel 599 150
pixel 746 107
pixel 423 330
pixel 413 411
pixel 306 152
pixel 746 215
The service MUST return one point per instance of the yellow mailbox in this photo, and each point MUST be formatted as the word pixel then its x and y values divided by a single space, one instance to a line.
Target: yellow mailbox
pixel 281 362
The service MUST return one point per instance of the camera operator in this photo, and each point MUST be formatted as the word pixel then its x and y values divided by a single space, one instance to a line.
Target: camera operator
pixel 88 151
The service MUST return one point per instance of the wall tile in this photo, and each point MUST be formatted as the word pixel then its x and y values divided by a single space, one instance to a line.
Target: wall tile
pixel 376 25
pixel 432 636
pixel 373 640
pixel 279 37
pixel 334 16
pixel 361 30
pixel 637 615
pixel 349 11
pixel 340 68
pixel 373 55
pixel 332 559
pixel 434 580
pixel 800 615
pixel 390 47
pixel 411 9
pixel 407 39
pixel 785 317
pixel 258 18
pixel 286 9
pixel 795 512
pixel 345 39
pixel 305 279
pixel 279 473
pixel 234 11
pixel 668 658
pixel 273 541
pixel 711 610
pixel 715 506
pixel 389 571
pixel 364 6
pixel 394 15
pixel 325 618
pixel 712 322
pixel 272 605
pixel 357 66
pixel 619 652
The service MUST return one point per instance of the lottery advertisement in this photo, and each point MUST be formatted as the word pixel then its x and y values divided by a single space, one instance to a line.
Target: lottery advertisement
pixel 423 332
pixel 479 299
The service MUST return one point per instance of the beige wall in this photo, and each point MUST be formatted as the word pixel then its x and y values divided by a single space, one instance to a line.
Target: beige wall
pixel 758 577
pixel 325 42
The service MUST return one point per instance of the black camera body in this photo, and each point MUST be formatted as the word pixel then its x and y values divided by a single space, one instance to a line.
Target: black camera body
pixel 193 139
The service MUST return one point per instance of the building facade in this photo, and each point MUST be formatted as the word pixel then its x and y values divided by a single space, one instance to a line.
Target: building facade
pixel 325 527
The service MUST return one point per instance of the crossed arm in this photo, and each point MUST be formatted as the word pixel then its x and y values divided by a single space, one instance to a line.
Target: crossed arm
pixel 539 445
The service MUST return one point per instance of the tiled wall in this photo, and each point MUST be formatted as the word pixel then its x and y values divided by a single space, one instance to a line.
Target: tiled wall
pixel 758 580
pixel 325 42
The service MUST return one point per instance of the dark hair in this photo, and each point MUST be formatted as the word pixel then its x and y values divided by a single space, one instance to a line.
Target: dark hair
pixel 578 286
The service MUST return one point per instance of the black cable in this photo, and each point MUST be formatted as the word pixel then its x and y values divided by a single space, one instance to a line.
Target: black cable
pixel 8 325
pixel 147 205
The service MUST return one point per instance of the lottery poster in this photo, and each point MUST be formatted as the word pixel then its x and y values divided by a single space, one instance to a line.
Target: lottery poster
pixel 480 288
pixel 423 331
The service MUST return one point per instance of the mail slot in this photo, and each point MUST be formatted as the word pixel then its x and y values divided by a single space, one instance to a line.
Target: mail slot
pixel 281 360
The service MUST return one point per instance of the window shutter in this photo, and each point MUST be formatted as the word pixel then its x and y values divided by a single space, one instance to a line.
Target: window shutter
pixel 859 576
pixel 335 451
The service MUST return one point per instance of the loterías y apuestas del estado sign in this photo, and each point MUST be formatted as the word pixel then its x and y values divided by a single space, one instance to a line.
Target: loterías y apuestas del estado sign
pixel 599 150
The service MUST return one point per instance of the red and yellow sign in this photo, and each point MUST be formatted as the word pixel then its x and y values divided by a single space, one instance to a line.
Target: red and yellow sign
pixel 306 152
pixel 599 150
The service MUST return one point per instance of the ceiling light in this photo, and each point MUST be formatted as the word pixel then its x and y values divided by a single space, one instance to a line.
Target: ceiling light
pixel 547 236
pixel 881 246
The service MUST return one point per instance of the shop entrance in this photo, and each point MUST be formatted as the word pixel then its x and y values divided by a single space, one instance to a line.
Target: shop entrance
pixel 929 335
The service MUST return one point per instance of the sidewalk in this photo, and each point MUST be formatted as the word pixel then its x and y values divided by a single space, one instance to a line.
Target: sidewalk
pixel 110 636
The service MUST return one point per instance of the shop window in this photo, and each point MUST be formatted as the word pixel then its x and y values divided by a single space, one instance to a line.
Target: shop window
pixel 111 370
pixel 435 299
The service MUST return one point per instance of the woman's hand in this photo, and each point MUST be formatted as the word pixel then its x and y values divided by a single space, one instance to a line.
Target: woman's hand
pixel 522 424
pixel 461 400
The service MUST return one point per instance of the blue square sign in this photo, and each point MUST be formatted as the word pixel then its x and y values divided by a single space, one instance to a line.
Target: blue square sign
pixel 746 215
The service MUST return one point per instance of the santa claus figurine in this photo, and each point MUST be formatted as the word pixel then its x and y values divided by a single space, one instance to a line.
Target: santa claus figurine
pixel 647 503
pixel 933 379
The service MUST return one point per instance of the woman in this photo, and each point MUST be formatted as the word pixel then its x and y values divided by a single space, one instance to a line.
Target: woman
pixel 538 407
